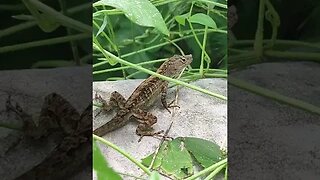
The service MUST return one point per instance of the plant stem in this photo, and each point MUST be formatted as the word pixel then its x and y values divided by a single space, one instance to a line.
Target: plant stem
pixel 108 54
pixel 109 144
pixel 16 28
pixel 214 3
pixel 26 25
pixel 147 49
pixel 60 18
pixel 279 42
pixel 273 95
pixel 294 55
pixel 215 172
pixel 258 43
pixel 209 169
pixel 44 42
pixel 126 67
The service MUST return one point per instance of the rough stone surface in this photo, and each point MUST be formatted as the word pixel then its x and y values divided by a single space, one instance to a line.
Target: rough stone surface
pixel 269 140
pixel 199 115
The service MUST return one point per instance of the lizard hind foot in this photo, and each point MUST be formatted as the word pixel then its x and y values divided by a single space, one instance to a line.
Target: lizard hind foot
pixel 149 133
pixel 171 105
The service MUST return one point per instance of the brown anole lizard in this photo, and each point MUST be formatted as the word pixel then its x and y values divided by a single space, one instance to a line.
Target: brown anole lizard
pixel 141 98
pixel 60 117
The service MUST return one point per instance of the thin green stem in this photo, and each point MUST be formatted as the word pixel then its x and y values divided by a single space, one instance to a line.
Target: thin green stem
pixel 60 18
pixel 226 173
pixel 85 58
pixel 199 44
pixel 273 17
pixel 207 75
pixel 233 50
pixel 79 8
pixel 203 48
pixel 273 95
pixel 214 3
pixel 126 67
pixel 16 28
pixel 109 41
pixel 210 70
pixel 26 25
pixel 109 144
pixel 6 7
pixel 73 44
pixel 108 54
pixel 242 57
pixel 44 42
pixel 215 172
pixel 198 30
pixel 258 43
pixel 209 169
pixel 279 42
pixel 294 55
pixel 131 176
pixel 17 127
pixel 147 49
pixel 174 44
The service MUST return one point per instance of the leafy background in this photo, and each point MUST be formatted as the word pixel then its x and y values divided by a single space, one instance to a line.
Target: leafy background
pixel 281 31
pixel 15 14
pixel 299 20
pixel 141 32
pixel 131 40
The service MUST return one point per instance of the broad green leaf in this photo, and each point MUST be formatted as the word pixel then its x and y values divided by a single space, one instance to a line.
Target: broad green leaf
pixel 173 160
pixel 100 165
pixel 205 152
pixel 203 19
pixel 104 24
pixel 45 22
pixel 181 19
pixel 141 12
pixel 157 163
pixel 155 175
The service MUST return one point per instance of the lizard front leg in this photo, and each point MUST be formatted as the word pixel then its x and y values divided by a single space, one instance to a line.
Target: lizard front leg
pixel 164 97
pixel 56 113
pixel 116 100
pixel 146 120
pixel 29 127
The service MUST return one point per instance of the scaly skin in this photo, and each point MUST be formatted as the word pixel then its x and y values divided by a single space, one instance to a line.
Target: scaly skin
pixel 141 98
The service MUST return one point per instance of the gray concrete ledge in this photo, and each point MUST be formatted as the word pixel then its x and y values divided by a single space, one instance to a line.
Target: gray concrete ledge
pixel 29 88
pixel 200 115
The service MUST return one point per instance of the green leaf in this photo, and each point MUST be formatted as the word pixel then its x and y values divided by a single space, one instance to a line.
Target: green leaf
pixel 155 175
pixel 157 163
pixel 181 19
pixel 45 22
pixel 141 12
pixel 206 152
pixel 104 24
pixel 203 19
pixel 173 160
pixel 111 61
pixel 100 165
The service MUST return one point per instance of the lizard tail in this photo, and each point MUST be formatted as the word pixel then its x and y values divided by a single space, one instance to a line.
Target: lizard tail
pixel 121 119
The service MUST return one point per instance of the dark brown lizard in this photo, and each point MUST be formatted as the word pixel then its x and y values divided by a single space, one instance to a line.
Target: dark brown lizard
pixel 141 98
pixel 60 117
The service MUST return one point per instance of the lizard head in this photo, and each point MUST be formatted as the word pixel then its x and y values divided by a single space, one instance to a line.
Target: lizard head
pixel 174 65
